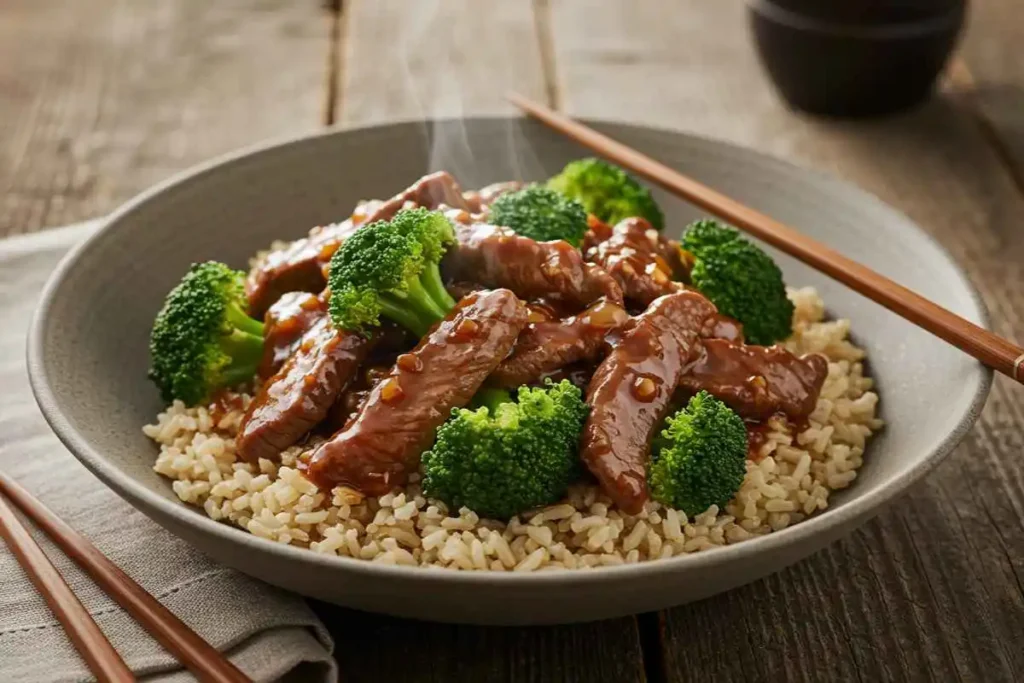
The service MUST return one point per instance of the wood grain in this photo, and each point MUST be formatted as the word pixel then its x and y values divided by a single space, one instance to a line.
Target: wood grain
pixel 991 50
pixel 100 99
pixel 933 589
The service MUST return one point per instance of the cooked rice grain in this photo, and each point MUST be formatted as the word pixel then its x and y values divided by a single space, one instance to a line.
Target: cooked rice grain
pixel 791 480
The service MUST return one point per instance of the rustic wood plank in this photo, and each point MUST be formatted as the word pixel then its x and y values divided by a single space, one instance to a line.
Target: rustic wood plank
pixel 430 59
pixel 991 51
pixel 100 99
pixel 935 587
pixel 447 59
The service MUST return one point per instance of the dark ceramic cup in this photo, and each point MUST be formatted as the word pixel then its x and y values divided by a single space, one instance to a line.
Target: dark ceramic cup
pixel 854 58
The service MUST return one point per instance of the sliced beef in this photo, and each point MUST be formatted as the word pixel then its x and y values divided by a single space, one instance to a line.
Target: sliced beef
pixel 544 347
pixel 295 399
pixel 758 381
pixel 480 200
pixel 632 255
pixel 597 231
pixel 300 266
pixel 631 393
pixel 283 326
pixel 382 443
pixel 497 257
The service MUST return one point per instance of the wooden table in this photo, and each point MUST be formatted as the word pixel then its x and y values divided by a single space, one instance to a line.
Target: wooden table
pixel 101 98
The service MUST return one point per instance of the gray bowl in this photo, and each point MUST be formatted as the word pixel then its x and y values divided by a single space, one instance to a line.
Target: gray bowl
pixel 87 352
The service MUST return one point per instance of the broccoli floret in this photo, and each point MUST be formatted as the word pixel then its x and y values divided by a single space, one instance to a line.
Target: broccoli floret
pixel 542 214
pixel 202 338
pixel 390 268
pixel 507 456
pixel 741 280
pixel 607 191
pixel 699 460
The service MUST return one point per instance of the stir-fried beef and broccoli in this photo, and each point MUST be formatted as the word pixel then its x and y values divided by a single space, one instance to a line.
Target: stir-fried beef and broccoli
pixel 497 346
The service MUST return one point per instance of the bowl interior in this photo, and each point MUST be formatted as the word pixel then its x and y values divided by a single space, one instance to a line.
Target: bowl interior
pixel 88 352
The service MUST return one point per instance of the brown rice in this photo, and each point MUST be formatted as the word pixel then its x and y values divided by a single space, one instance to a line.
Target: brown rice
pixel 791 480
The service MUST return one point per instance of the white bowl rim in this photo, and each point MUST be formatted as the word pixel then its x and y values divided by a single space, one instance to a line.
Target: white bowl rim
pixel 142 498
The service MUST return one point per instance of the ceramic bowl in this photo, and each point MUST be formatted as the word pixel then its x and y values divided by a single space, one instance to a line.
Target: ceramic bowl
pixel 855 59
pixel 87 350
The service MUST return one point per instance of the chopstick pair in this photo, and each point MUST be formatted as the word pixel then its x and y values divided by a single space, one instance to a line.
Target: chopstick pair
pixel 202 659
pixel 992 350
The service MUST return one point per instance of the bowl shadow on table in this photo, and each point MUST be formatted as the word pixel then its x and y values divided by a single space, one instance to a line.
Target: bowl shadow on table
pixel 372 647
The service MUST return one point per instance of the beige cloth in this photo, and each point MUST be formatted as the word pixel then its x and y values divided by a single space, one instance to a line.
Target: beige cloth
pixel 270 634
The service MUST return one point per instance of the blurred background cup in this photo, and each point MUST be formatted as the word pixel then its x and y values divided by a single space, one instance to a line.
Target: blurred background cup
pixel 855 58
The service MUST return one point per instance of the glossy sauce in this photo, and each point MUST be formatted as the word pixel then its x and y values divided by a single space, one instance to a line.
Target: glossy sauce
pixel 545 346
pixel 302 392
pixel 497 257
pixel 382 442
pixel 625 412
pixel 630 254
pixel 757 381
pixel 285 323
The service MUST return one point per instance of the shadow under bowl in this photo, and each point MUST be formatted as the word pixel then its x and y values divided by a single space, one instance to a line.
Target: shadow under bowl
pixel 855 59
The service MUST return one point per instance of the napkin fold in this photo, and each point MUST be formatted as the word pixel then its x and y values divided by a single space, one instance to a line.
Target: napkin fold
pixel 270 634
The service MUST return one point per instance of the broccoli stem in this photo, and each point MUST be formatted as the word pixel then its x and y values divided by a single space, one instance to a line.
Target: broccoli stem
pixel 434 286
pixel 240 320
pixel 422 305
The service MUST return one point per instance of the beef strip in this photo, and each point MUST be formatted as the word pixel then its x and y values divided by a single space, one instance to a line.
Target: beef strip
pixel 300 265
pixel 632 255
pixel 353 398
pixel 497 257
pixel 294 400
pixel 479 201
pixel 284 324
pixel 597 231
pixel 631 393
pixel 545 346
pixel 758 381
pixel 382 443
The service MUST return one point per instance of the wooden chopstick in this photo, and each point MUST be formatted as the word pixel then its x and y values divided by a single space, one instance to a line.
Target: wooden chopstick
pixel 201 658
pixel 100 656
pixel 992 350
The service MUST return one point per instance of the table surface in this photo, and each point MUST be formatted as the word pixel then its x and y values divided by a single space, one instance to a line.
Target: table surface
pixel 101 98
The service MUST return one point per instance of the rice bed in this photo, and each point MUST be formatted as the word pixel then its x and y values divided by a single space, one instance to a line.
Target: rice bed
pixel 789 480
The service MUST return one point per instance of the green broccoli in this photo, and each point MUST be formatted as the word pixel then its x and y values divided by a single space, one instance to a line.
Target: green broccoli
pixel 699 460
pixel 607 191
pixel 390 268
pixel 741 280
pixel 506 456
pixel 202 338
pixel 542 214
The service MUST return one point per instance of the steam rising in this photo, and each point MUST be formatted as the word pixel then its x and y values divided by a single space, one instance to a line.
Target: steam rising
pixel 450 73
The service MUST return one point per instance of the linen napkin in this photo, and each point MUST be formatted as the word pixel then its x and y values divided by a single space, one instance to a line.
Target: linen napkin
pixel 270 634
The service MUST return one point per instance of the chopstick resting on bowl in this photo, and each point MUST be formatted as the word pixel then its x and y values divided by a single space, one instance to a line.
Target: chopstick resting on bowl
pixel 201 658
pixel 99 655
pixel 997 353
